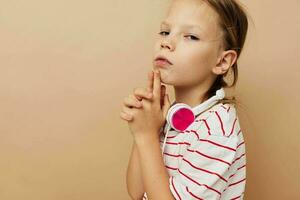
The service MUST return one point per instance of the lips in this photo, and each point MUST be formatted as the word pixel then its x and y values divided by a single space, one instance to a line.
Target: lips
pixel 163 59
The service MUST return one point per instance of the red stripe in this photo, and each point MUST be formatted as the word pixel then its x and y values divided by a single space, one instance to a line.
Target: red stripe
pixel 224 107
pixel 236 171
pixel 209 156
pixel 184 143
pixel 226 147
pixel 240 144
pixel 232 184
pixel 241 167
pixel 232 175
pixel 193 131
pixel 175 188
pixel 228 109
pixel 200 183
pixel 205 125
pixel 173 143
pixel 205 170
pixel 208 128
pixel 239 132
pixel 173 168
pixel 235 198
pixel 187 189
pixel 233 126
pixel 178 155
pixel 177 143
pixel 220 122
pixel 238 158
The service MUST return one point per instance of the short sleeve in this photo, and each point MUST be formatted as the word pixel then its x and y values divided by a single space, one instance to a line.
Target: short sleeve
pixel 204 169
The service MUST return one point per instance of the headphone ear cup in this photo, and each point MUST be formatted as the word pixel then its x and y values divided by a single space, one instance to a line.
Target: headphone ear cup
pixel 180 116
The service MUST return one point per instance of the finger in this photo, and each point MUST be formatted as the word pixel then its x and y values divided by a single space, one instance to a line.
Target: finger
pixel 150 81
pixel 132 102
pixel 166 105
pixel 125 116
pixel 127 110
pixel 142 93
pixel 157 85
pixel 138 98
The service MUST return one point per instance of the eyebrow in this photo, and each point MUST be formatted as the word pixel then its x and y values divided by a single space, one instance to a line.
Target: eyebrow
pixel 189 26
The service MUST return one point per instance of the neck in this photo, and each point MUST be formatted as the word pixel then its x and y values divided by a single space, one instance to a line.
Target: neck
pixel 191 96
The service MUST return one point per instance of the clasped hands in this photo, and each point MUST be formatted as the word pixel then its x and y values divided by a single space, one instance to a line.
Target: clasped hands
pixel 145 110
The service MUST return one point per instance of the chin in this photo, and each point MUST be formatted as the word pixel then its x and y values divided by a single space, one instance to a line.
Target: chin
pixel 164 79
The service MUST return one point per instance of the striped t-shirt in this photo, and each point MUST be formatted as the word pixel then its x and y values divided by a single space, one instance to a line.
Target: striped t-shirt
pixel 207 160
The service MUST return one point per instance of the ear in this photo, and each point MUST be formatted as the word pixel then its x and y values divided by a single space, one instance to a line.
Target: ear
pixel 225 61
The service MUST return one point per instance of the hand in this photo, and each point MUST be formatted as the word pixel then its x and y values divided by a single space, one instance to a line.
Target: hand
pixel 140 93
pixel 149 119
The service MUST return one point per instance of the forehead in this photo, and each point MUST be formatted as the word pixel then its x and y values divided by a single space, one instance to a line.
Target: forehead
pixel 185 13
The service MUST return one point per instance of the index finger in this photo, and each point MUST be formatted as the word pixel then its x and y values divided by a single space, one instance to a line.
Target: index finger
pixel 150 81
pixel 157 85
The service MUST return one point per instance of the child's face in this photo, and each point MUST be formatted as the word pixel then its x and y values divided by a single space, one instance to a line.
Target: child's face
pixel 192 59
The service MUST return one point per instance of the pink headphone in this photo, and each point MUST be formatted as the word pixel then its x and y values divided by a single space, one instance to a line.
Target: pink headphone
pixel 180 116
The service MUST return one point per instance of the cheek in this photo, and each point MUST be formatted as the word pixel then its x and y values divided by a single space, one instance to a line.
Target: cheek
pixel 156 46
pixel 203 59
pixel 195 61
pixel 192 67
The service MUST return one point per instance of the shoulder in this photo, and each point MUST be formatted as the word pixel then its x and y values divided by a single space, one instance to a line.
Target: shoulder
pixel 222 120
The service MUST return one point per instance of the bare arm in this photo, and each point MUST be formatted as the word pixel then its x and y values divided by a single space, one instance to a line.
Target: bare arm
pixel 154 173
pixel 134 179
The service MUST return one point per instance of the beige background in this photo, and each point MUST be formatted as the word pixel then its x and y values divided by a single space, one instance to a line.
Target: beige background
pixel 65 67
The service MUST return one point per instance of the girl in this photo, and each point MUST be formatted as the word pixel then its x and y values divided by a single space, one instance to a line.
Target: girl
pixel 193 148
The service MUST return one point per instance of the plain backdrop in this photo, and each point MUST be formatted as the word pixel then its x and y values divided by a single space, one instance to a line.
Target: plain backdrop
pixel 66 66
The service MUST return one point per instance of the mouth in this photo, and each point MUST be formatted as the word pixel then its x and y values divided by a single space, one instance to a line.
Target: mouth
pixel 162 61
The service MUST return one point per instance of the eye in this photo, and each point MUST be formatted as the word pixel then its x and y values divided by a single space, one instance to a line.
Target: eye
pixel 193 37
pixel 162 32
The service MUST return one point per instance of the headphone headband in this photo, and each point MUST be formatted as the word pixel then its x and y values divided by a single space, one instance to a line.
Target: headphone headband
pixel 220 94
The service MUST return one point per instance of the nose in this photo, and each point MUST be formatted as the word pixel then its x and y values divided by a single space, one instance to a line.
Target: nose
pixel 167 44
